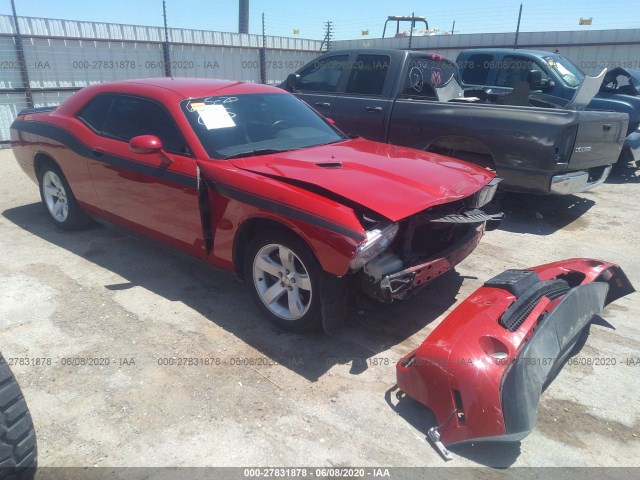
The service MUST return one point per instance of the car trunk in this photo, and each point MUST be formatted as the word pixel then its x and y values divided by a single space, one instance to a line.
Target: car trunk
pixel 598 141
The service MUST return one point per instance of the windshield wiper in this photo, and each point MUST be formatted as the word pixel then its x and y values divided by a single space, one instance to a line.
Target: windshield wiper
pixel 254 153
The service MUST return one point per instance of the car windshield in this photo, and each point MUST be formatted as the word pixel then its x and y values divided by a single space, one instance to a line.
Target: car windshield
pixel 256 124
pixel 569 73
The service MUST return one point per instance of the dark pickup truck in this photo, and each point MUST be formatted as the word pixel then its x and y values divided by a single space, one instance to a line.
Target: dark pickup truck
pixel 557 81
pixel 398 97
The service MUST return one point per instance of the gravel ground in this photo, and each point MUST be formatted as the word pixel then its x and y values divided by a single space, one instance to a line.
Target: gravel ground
pixel 270 398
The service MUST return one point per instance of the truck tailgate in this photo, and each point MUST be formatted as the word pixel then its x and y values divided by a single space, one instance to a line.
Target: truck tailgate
pixel 599 139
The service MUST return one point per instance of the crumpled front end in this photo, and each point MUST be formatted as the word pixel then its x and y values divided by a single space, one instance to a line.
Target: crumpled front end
pixel 483 369
pixel 418 249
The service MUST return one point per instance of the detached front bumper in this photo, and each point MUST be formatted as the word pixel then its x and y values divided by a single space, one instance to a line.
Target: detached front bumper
pixel 576 182
pixel 483 368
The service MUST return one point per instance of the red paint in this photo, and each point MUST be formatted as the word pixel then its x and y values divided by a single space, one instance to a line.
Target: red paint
pixel 454 356
pixel 395 182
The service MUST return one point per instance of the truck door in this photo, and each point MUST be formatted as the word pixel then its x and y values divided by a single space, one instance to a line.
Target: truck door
pixel 364 107
pixel 319 82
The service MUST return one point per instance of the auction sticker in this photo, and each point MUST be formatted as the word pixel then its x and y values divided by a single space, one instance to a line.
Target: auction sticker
pixel 214 116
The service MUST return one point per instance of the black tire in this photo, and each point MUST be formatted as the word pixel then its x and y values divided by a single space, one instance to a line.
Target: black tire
pixel 75 218
pixel 291 286
pixel 17 435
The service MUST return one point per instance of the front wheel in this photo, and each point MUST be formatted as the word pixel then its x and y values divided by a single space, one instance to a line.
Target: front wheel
pixel 282 275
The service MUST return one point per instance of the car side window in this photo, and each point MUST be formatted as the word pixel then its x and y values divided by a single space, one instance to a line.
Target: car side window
pixel 368 74
pixel 95 112
pixel 514 70
pixel 476 68
pixel 131 116
pixel 423 74
pixel 323 75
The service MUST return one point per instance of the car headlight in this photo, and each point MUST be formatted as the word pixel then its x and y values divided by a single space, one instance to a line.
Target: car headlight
pixel 376 242
pixel 485 194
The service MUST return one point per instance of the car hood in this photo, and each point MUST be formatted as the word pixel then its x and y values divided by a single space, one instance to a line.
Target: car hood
pixel 393 181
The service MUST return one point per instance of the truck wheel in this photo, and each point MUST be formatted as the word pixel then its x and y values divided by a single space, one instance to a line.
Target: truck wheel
pixel 58 199
pixel 282 275
pixel 17 436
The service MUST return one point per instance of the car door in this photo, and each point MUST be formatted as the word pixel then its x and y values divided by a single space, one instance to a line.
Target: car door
pixel 319 82
pixel 363 107
pixel 155 193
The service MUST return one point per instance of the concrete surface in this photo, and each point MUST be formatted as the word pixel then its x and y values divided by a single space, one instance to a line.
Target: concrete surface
pixel 328 401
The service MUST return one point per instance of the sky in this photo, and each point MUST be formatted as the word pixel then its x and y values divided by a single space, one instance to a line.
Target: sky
pixel 349 17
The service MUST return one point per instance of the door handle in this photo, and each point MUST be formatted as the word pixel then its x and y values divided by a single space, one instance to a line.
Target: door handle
pixel 323 104
pixel 606 127
pixel 373 109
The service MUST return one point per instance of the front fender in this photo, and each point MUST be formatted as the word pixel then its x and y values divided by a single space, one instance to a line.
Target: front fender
pixel 330 229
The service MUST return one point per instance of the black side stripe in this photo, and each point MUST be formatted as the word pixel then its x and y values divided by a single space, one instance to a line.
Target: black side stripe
pixel 61 135
pixel 285 210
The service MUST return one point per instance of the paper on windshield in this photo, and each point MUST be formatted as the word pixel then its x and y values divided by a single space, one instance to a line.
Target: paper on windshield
pixel 214 116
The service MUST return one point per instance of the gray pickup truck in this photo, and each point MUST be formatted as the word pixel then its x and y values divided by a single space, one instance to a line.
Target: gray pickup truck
pixel 396 96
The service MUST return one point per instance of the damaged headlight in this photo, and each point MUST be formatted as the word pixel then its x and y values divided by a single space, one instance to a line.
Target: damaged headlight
pixel 378 239
pixel 485 194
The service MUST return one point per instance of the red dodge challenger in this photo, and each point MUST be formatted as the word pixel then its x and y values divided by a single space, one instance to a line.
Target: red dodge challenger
pixel 250 179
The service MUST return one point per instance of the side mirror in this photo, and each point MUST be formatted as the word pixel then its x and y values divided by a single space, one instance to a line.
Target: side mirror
pixel 535 79
pixel 293 82
pixel 145 144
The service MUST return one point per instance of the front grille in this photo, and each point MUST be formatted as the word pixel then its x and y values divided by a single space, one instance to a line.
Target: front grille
pixel 519 310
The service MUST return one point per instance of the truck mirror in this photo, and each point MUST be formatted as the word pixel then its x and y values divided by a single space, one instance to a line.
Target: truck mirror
pixel 293 82
pixel 535 79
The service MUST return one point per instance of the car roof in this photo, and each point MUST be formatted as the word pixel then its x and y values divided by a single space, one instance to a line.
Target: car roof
pixel 524 51
pixel 191 87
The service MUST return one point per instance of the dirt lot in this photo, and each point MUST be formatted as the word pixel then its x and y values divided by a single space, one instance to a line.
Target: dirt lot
pixel 327 401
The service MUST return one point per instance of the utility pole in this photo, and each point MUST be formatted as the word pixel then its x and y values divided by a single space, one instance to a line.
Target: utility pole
pixel 165 45
pixel 326 42
pixel 453 28
pixel 24 73
pixel 413 24
pixel 515 45
pixel 263 55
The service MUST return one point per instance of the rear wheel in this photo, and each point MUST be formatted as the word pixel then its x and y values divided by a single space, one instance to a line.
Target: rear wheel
pixel 17 435
pixel 58 198
pixel 282 275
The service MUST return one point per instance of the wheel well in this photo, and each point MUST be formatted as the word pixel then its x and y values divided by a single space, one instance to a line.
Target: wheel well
pixel 246 231
pixel 40 160
pixel 464 148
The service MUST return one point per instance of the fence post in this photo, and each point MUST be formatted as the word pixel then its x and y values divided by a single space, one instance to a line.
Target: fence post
pixel 24 73
pixel 165 46
pixel 263 55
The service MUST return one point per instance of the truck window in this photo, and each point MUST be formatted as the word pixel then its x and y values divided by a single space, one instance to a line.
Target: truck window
pixel 568 72
pixel 323 75
pixel 514 70
pixel 368 74
pixel 476 69
pixel 423 74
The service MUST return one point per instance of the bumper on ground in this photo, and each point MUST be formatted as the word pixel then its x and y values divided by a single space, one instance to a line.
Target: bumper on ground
pixel 483 368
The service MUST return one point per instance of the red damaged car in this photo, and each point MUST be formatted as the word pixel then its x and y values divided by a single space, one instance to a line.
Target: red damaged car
pixel 250 179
